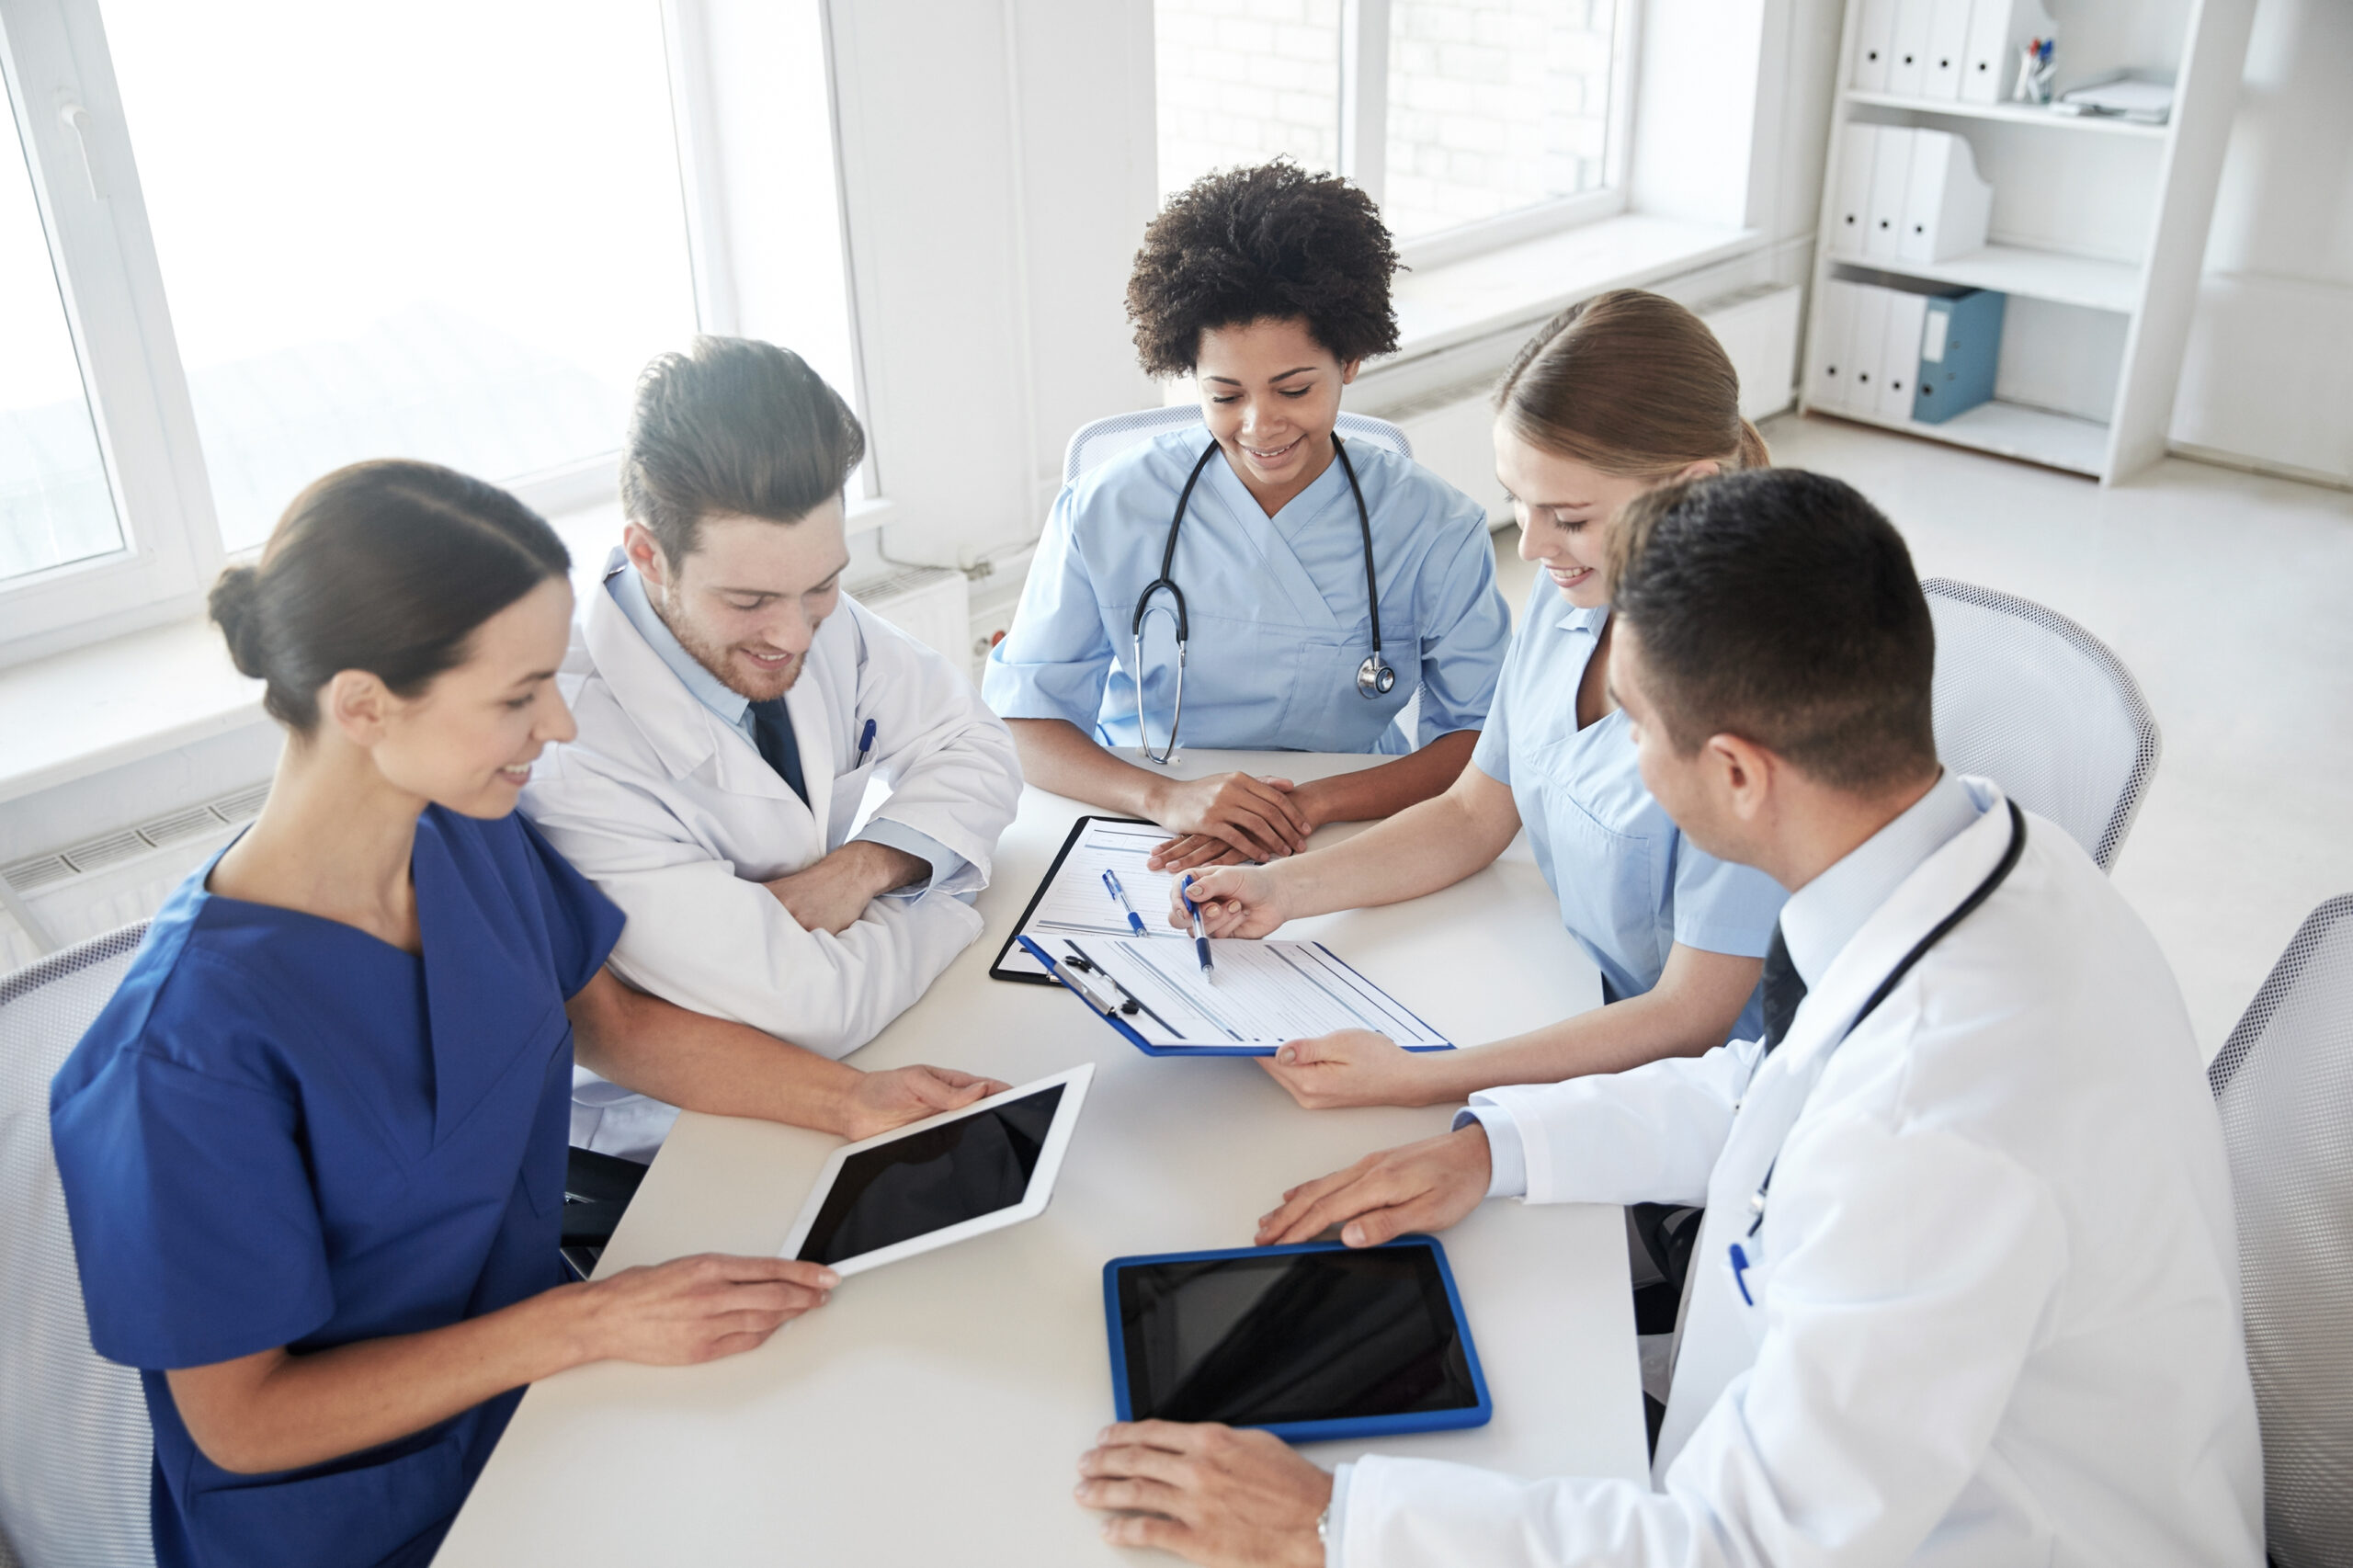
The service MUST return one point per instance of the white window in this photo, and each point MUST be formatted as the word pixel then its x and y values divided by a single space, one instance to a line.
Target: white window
pixel 1473 122
pixel 271 237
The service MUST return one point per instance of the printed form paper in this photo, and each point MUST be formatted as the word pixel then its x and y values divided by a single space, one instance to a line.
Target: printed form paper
pixel 1265 993
pixel 1076 904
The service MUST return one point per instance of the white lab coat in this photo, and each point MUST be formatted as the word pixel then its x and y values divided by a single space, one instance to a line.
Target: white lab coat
pixel 1995 1287
pixel 679 820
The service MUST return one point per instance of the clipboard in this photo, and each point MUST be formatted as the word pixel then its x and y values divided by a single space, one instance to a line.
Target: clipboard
pixel 1110 1000
pixel 998 967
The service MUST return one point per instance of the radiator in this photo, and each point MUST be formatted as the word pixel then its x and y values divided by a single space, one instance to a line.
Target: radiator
pixel 930 604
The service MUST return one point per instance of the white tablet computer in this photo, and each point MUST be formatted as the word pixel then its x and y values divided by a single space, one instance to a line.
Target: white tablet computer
pixel 941 1180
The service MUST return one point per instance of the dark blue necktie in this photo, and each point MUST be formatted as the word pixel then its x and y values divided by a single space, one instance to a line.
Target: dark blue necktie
pixel 772 733
pixel 1784 989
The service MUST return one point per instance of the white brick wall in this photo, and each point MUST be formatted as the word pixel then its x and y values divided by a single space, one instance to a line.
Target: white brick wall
pixel 1240 80
pixel 1494 105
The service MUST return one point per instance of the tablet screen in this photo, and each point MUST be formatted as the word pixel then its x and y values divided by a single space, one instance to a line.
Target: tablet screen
pixel 1256 1341
pixel 931 1180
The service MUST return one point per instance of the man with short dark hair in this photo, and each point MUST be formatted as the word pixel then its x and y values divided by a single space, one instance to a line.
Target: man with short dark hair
pixel 734 704
pixel 1966 1289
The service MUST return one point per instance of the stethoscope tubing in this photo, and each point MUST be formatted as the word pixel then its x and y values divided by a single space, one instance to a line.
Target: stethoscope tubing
pixel 1375 678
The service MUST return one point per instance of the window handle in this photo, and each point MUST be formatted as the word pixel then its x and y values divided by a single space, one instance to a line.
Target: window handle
pixel 77 119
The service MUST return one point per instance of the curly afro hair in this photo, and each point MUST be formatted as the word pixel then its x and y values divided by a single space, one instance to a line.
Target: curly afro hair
pixel 1246 245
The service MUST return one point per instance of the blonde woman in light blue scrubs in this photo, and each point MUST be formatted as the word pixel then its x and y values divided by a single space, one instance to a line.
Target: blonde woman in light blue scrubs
pixel 1610 399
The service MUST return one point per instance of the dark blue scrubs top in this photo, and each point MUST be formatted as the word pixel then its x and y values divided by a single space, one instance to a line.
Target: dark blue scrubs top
pixel 283 1131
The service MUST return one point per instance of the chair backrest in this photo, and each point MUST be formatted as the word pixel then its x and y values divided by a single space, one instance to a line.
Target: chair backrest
pixel 2028 698
pixel 1102 438
pixel 2283 1085
pixel 74 1443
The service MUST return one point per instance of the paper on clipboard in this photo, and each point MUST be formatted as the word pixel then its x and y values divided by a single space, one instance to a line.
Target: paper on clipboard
pixel 1075 903
pixel 1265 993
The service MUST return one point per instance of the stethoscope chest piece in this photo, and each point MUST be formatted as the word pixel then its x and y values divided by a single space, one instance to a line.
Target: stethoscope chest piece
pixel 1375 678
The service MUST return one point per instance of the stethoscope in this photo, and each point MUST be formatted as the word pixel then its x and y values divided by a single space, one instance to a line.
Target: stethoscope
pixel 1993 879
pixel 1375 678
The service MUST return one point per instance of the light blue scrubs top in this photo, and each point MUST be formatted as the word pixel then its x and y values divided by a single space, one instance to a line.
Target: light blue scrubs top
pixel 1278 616
pixel 283 1131
pixel 1630 885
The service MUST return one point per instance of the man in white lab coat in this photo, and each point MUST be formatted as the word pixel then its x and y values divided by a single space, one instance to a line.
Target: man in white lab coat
pixel 1966 1289
pixel 733 705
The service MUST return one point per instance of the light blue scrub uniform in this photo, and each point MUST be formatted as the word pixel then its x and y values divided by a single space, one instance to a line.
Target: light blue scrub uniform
pixel 1279 617
pixel 1630 884
pixel 283 1131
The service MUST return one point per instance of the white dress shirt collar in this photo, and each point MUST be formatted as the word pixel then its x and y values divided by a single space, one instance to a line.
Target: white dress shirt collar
pixel 1822 916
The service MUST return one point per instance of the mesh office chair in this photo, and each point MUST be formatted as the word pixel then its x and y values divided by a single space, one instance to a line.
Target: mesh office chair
pixel 2028 698
pixel 2283 1086
pixel 1102 438
pixel 74 1444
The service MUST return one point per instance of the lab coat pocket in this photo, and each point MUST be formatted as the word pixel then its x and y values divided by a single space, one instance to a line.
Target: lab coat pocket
pixel 846 803
pixel 346 1518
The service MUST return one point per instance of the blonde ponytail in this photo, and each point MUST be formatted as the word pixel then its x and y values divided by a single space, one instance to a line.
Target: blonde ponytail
pixel 1630 383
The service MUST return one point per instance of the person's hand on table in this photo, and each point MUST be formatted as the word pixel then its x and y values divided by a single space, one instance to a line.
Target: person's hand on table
pixel 1254 816
pixel 880 1101
pixel 1211 1494
pixel 1192 851
pixel 1350 1067
pixel 1234 900
pixel 696 1309
pixel 1426 1185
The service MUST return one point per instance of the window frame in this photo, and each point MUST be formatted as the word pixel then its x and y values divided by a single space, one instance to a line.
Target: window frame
pixel 54 55
pixel 110 284
pixel 1364 141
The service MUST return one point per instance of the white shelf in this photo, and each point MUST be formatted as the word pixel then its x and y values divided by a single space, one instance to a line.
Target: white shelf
pixel 2009 430
pixel 2012 113
pixel 2018 269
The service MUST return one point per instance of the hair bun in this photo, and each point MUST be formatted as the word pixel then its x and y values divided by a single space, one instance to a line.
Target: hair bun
pixel 236 604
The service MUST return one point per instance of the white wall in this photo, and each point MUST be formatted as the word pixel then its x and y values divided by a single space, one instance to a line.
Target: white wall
pixel 2269 380
pixel 997 164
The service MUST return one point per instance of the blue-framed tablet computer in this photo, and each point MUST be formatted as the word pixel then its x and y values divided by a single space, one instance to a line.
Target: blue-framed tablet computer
pixel 1312 1342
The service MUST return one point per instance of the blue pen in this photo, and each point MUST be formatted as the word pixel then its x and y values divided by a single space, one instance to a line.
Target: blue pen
pixel 866 742
pixel 1200 937
pixel 1134 920
pixel 1739 1268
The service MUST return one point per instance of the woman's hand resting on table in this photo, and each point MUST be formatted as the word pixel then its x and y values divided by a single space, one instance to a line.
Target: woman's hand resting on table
pixel 696 1309
pixel 1351 1067
pixel 1225 818
pixel 878 1102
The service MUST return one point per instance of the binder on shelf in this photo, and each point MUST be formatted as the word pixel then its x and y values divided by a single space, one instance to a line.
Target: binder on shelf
pixel 1891 174
pixel 1867 348
pixel 1961 348
pixel 1998 30
pixel 1947 55
pixel 1833 327
pixel 1875 36
pixel 1907 68
pixel 1899 365
pixel 1850 200
pixel 1946 206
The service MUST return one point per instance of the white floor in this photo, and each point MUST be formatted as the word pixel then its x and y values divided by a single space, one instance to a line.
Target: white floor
pixel 2227 596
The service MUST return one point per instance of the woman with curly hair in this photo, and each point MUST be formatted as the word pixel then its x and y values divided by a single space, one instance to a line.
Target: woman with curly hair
pixel 1269 286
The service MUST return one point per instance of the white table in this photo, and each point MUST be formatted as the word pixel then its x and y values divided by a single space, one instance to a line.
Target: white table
pixel 934 1411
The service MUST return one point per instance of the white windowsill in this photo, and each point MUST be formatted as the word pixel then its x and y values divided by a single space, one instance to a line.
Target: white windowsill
pixel 80 712
pixel 1444 307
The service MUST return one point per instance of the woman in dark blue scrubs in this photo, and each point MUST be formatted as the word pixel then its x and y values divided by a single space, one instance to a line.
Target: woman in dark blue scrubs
pixel 313 1148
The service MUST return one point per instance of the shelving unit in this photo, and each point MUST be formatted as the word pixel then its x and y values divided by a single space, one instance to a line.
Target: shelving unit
pixel 2097 234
